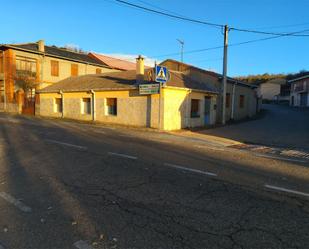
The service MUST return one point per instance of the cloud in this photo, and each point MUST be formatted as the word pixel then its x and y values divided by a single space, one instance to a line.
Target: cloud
pixel 132 57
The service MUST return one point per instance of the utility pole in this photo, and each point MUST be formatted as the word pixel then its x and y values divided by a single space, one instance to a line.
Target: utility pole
pixel 181 51
pixel 4 87
pixel 226 30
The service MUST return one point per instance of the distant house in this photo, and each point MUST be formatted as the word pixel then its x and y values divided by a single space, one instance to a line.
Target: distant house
pixel 113 62
pixel 44 65
pixel 274 90
pixel 299 91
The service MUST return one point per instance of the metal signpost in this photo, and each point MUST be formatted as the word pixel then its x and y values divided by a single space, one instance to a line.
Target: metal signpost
pixel 161 76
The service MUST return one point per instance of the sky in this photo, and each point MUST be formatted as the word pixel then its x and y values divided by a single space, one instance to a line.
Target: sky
pixel 108 27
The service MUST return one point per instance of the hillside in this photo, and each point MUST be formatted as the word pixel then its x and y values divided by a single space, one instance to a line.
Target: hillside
pixel 261 78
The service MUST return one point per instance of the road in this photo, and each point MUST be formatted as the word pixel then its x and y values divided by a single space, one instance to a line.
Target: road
pixel 71 185
pixel 281 126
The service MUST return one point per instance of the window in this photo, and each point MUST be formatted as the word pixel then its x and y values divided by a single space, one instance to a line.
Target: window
pixel 98 71
pixel 86 106
pixel 54 68
pixel 111 104
pixel 25 66
pixel 227 100
pixel 58 105
pixel 74 70
pixel 195 108
pixel 241 101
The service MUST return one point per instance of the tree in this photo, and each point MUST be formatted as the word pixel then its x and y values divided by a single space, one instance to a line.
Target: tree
pixel 27 82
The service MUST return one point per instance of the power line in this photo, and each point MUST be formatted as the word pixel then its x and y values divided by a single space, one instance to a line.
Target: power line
pixel 284 26
pixel 232 44
pixel 170 15
pixel 269 38
pixel 202 22
pixel 188 52
pixel 265 33
pixel 157 7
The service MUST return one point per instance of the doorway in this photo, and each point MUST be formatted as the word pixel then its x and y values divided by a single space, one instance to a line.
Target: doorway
pixel 303 99
pixel 207 105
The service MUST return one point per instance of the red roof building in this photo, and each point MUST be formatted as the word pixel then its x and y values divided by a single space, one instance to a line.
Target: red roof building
pixel 114 63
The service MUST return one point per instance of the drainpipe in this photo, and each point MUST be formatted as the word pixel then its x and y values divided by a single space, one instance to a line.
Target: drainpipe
pixel 4 93
pixel 233 102
pixel 188 110
pixel 93 105
pixel 62 104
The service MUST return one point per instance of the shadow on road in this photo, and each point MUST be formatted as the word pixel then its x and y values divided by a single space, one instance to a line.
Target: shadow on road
pixel 135 203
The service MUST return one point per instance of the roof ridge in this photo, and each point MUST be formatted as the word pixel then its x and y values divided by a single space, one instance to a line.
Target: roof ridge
pixel 17 44
pixel 113 57
pixel 66 50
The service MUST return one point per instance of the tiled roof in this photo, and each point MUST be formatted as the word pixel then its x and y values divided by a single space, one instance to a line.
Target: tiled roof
pixel 299 78
pixel 57 52
pixel 114 62
pixel 279 81
pixel 183 67
pixel 120 81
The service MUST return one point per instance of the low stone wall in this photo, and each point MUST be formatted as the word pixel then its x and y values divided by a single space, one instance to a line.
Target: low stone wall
pixel 10 107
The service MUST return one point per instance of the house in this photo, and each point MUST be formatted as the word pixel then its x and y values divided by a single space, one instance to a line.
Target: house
pixel 241 99
pixel 43 64
pixel 299 91
pixel 116 98
pixel 114 63
pixel 274 90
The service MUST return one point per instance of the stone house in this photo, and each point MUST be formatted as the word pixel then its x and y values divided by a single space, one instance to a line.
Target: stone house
pixel 116 98
pixel 43 64
pixel 241 99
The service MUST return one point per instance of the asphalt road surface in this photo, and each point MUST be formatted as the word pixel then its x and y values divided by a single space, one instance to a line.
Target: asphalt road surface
pixel 281 126
pixel 69 185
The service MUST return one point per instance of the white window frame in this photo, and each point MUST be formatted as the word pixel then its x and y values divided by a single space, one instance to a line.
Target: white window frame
pixel 82 109
pixel 106 107
pixel 56 109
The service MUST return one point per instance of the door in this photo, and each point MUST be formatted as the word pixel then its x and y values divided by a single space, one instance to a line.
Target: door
pixel 303 99
pixel 207 105
pixel 28 106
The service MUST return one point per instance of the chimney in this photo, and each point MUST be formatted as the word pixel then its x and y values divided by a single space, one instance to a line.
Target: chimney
pixel 41 46
pixel 139 69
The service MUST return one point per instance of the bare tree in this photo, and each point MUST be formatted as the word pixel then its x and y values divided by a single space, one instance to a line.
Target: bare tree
pixel 26 82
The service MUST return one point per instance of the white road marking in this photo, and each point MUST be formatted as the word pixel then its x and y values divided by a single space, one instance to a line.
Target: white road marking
pixel 67 144
pixel 189 169
pixel 282 158
pixel 209 147
pixel 286 190
pixel 15 202
pixel 122 155
pixel 99 131
pixel 125 135
pixel 81 244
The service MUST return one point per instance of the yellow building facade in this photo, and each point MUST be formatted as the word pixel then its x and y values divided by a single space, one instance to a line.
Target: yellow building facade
pixel 172 112
pixel 115 98
pixel 241 99
pixel 44 65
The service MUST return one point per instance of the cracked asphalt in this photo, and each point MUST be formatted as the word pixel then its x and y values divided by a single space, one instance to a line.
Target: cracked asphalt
pixel 110 188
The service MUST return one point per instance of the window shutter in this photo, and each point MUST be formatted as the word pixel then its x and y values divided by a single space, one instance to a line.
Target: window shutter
pixel 74 69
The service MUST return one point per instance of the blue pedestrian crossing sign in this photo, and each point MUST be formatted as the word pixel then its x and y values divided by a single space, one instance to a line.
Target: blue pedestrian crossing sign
pixel 162 74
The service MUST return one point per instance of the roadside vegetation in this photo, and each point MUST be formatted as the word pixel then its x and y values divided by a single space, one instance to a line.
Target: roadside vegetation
pixel 261 78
